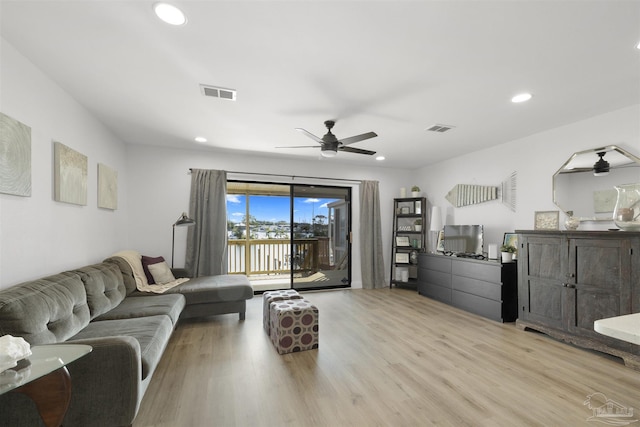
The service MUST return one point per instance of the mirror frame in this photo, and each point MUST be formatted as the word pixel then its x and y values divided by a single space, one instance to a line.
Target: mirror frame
pixel 608 148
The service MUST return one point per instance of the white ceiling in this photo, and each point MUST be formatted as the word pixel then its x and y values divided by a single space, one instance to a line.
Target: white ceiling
pixel 393 67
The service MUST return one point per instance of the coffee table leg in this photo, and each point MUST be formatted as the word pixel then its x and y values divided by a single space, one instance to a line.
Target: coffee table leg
pixel 51 394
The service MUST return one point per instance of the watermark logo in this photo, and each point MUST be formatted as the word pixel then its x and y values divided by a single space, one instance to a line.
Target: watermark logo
pixel 608 411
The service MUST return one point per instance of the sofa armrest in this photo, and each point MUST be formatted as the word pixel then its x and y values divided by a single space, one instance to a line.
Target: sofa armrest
pixel 106 383
pixel 105 388
pixel 179 273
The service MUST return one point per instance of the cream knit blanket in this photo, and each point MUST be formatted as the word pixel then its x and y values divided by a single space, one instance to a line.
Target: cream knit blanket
pixel 134 259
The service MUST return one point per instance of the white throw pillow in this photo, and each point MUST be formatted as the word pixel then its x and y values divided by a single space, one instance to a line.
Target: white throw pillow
pixel 161 273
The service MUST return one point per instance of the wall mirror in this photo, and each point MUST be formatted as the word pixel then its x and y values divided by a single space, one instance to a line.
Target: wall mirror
pixel 583 188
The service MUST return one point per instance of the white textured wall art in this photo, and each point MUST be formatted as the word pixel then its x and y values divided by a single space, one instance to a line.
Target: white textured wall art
pixel 15 157
pixel 70 175
pixel 107 187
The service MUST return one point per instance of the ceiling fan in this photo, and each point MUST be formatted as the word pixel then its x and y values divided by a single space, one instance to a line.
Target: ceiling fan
pixel 330 145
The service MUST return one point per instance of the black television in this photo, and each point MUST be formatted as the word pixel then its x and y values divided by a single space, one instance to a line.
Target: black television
pixel 463 240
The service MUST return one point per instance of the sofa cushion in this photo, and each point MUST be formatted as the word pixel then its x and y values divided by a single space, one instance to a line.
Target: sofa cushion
pixel 104 286
pixel 221 288
pixel 127 273
pixel 45 311
pixel 161 273
pixel 146 262
pixel 152 333
pixel 143 306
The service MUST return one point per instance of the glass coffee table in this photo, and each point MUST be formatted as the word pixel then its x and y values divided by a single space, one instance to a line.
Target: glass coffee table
pixel 44 378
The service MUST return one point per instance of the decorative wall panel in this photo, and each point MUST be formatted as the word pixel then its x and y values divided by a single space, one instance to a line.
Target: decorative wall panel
pixel 15 157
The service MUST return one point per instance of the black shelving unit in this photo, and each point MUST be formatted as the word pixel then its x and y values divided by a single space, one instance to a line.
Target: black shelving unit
pixel 408 240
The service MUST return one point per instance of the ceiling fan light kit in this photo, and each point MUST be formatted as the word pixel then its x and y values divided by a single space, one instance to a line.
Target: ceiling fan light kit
pixel 328 153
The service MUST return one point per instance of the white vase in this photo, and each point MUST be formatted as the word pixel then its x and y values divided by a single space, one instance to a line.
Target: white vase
pixel 507 256
pixel 417 227
pixel 403 192
pixel 415 194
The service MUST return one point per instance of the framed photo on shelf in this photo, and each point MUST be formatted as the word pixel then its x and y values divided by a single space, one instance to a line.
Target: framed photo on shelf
pixel 402 258
pixel 402 241
pixel 405 210
pixel 510 239
pixel 547 220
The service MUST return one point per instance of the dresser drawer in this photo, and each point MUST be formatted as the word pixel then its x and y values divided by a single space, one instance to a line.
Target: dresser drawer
pixel 433 277
pixel 435 262
pixel 478 305
pixel 480 288
pixel 483 270
pixel 436 292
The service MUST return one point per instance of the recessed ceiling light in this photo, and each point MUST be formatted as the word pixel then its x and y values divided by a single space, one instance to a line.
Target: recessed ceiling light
pixel 200 139
pixel 169 14
pixel 522 97
pixel 380 158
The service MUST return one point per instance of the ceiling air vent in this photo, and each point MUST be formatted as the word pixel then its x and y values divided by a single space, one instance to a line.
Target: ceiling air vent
pixel 218 92
pixel 440 128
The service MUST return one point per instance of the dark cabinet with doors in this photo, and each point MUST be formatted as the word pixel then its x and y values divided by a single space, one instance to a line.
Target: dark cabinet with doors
pixel 409 223
pixel 569 279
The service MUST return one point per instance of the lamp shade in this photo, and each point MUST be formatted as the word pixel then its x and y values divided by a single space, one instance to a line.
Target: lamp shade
pixel 436 219
pixel 184 220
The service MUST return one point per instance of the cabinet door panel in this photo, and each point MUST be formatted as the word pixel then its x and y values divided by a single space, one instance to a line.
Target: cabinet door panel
pixel 598 282
pixel 591 306
pixel 540 287
pixel 545 255
pixel 545 302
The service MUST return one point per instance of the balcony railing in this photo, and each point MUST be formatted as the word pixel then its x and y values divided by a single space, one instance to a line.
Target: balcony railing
pixel 275 256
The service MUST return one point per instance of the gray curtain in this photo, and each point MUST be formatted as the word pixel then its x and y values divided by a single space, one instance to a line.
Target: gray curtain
pixel 371 236
pixel 207 239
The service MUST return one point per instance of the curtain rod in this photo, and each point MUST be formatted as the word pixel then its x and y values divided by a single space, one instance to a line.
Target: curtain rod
pixel 291 176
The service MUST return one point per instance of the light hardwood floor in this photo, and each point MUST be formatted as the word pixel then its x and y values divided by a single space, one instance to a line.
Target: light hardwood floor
pixel 387 357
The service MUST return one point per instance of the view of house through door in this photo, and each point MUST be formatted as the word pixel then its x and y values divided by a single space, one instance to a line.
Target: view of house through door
pixel 286 236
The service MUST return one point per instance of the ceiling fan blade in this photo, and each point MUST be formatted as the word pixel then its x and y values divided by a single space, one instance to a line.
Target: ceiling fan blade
pixel 300 146
pixel 357 138
pixel 356 150
pixel 310 135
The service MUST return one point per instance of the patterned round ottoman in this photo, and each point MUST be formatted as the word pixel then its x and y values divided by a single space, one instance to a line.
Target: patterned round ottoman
pixel 294 325
pixel 271 296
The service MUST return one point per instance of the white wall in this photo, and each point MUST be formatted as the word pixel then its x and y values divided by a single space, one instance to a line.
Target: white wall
pixel 159 184
pixel 535 159
pixel 39 236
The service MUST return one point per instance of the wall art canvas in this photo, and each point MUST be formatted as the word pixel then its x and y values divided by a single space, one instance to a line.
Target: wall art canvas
pixel 107 187
pixel 604 201
pixel 15 157
pixel 70 175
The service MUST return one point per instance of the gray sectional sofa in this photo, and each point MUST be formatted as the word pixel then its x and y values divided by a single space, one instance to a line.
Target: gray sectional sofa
pixel 99 305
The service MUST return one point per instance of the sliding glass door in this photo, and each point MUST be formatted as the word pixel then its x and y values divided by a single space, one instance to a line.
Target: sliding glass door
pixel 321 239
pixel 289 236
